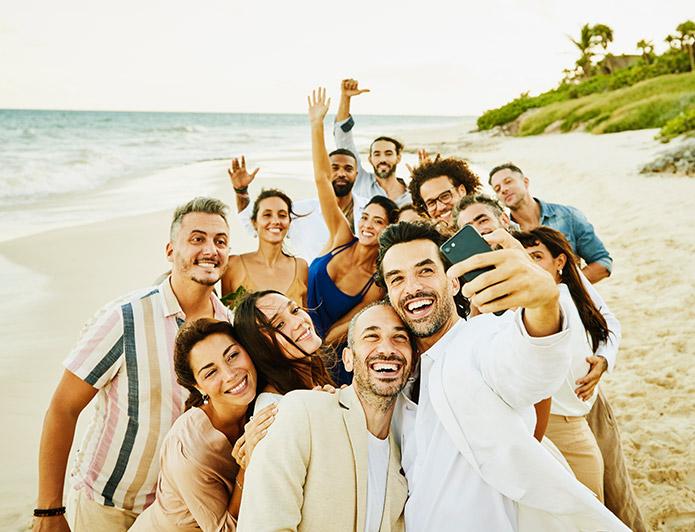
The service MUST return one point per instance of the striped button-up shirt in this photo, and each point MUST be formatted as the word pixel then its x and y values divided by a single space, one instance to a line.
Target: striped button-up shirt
pixel 127 353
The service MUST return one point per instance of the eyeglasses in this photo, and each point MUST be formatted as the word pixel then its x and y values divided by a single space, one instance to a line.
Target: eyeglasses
pixel 445 198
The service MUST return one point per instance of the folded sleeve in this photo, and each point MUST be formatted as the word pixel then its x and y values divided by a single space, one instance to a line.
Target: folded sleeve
pixel 342 132
pixel 99 353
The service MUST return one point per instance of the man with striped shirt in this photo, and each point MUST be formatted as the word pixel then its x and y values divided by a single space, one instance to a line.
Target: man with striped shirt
pixel 124 359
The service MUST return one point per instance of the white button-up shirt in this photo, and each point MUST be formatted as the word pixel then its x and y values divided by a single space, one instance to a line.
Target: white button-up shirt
pixel 459 499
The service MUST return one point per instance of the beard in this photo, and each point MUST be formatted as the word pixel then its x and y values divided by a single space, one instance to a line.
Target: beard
pixel 381 392
pixel 432 323
pixel 385 170
pixel 342 187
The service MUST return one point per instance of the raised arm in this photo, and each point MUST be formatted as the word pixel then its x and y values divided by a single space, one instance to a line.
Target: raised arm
pixel 338 226
pixel 342 129
pixel 241 180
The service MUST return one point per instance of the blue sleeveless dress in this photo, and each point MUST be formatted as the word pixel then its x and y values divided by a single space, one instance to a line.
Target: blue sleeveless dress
pixel 326 302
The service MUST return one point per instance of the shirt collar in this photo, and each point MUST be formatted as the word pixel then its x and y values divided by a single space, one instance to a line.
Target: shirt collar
pixel 173 308
pixel 441 345
pixel 547 210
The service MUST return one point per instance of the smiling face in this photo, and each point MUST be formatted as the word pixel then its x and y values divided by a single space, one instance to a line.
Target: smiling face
pixel 273 219
pixel 380 355
pixel 200 247
pixel 293 322
pixel 418 287
pixel 511 187
pixel 223 371
pixel 343 174
pixel 483 218
pixel 384 158
pixel 440 195
pixel 373 221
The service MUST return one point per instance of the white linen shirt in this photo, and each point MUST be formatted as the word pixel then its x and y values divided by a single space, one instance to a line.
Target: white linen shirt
pixel 445 492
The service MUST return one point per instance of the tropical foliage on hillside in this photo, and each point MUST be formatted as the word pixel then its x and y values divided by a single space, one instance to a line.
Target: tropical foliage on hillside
pixel 598 73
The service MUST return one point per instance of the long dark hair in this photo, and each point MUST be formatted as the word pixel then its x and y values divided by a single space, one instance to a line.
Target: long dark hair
pixel 257 335
pixel 188 336
pixel 592 319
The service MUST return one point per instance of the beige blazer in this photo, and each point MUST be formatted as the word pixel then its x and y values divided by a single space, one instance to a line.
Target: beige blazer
pixel 310 471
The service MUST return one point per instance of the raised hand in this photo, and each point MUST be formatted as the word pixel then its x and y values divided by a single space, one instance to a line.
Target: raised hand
pixel 350 88
pixel 239 175
pixel 318 105
pixel 422 157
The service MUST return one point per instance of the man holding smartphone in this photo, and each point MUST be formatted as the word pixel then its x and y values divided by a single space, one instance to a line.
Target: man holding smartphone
pixel 465 423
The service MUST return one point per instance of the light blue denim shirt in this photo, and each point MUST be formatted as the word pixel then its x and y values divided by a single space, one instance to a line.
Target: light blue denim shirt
pixel 579 232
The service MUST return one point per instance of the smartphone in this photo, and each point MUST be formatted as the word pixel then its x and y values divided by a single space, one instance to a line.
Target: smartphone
pixel 464 244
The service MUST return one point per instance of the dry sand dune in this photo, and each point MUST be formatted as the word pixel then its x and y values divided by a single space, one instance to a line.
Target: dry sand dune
pixel 53 282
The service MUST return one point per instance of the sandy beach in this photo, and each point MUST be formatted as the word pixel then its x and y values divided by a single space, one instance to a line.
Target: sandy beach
pixel 55 281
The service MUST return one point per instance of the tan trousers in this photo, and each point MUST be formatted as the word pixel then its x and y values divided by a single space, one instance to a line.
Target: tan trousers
pixel 86 515
pixel 620 497
pixel 577 444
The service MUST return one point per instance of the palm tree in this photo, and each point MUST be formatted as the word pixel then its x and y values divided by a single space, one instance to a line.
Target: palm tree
pixel 686 35
pixel 584 44
pixel 674 43
pixel 601 35
pixel 647 48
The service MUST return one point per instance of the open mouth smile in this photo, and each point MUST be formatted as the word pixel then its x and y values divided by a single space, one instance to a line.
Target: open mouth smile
pixel 239 388
pixel 419 307
pixel 386 369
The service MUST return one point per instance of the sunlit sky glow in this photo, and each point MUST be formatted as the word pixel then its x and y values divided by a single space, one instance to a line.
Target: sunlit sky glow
pixel 417 57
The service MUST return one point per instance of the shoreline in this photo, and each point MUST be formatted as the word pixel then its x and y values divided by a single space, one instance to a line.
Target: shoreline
pixel 61 277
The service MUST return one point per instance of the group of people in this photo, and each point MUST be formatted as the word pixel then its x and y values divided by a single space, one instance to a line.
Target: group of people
pixel 355 381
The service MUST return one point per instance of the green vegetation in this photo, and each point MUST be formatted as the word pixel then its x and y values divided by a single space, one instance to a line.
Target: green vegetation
pixel 683 123
pixel 647 104
pixel 615 93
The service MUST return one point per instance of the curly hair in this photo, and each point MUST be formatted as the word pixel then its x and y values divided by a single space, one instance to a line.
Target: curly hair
pixel 456 169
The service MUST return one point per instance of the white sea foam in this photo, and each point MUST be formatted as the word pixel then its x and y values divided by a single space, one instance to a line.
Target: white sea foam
pixel 60 167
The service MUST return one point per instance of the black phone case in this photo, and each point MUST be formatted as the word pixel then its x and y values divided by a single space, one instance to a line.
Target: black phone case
pixel 464 244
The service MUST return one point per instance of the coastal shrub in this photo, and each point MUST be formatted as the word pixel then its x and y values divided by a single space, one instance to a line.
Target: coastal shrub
pixel 647 113
pixel 612 111
pixel 683 123
pixel 670 62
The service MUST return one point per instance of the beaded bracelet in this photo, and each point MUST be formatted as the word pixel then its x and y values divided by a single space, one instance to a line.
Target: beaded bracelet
pixel 49 512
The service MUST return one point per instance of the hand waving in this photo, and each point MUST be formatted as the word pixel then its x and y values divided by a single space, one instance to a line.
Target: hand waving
pixel 318 105
pixel 239 175
pixel 422 157
pixel 349 88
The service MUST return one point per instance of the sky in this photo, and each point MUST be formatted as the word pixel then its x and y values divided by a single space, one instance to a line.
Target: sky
pixel 430 57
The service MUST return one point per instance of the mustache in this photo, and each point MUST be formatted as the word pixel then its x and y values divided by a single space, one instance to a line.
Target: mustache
pixel 387 358
pixel 418 294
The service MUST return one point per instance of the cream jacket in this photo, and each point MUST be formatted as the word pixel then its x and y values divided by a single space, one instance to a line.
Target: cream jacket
pixel 310 471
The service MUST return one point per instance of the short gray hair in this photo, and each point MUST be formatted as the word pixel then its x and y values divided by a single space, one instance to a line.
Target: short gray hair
pixel 478 199
pixel 199 204
pixel 353 321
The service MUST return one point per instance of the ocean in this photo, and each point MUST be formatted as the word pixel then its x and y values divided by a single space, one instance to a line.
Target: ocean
pixel 61 168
